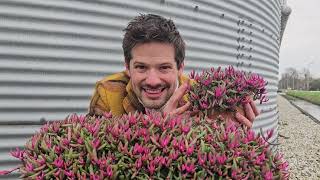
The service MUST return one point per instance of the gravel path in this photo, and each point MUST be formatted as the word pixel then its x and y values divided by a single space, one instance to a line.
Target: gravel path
pixel 299 137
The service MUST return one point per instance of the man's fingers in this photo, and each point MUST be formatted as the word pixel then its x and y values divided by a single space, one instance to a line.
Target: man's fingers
pixel 243 120
pixel 254 108
pixel 181 109
pixel 179 93
pixel 249 112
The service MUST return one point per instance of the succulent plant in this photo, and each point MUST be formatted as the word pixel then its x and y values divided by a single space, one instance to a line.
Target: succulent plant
pixel 158 146
pixel 148 146
pixel 224 90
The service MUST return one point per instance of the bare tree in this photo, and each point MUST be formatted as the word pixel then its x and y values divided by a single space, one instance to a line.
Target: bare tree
pixel 294 75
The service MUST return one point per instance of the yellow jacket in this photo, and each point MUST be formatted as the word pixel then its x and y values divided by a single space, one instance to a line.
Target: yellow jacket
pixel 114 93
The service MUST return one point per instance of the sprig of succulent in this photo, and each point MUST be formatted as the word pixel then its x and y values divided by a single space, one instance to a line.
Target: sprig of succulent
pixel 148 146
pixel 224 90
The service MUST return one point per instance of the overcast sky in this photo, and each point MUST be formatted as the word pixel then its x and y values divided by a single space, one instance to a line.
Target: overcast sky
pixel 301 41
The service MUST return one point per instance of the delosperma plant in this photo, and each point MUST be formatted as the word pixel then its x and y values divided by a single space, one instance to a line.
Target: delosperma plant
pixel 223 90
pixel 148 146
pixel 157 146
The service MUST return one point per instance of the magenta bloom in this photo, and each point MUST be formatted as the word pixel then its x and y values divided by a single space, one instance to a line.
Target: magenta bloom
pixel 190 150
pixel 29 167
pixel 268 175
pixel 188 167
pixel 109 171
pixel 151 167
pixel 165 141
pixel 219 92
pixel 58 162
pixel 17 153
pixel 221 159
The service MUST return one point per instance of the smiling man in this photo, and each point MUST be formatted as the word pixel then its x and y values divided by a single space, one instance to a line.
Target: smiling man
pixel 154 53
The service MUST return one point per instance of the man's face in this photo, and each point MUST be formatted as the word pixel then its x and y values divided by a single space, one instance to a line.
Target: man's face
pixel 154 73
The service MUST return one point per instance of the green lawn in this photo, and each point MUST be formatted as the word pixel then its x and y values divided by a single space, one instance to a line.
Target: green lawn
pixel 311 96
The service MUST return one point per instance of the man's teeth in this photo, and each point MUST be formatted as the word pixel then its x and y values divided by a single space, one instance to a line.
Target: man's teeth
pixel 153 90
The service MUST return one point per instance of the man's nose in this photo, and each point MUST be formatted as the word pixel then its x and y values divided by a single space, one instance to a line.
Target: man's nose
pixel 153 78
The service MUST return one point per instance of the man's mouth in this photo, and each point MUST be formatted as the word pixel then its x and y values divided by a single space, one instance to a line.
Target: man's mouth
pixel 153 93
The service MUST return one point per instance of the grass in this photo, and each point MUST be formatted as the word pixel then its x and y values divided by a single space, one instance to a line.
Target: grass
pixel 311 96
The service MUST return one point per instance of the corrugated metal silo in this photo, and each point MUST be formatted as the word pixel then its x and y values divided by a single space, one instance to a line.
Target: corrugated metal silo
pixel 52 52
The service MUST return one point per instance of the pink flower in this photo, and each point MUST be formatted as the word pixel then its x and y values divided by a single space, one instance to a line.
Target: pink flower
pixel 268 175
pixel 165 141
pixel 127 134
pixel 109 171
pixel 249 137
pixel 185 128
pixel 202 158
pixel 137 149
pixel 190 150
pixel 65 141
pixel 81 161
pixel 57 149
pixel 234 174
pixel 42 160
pixel 145 121
pixel 181 145
pixel 192 73
pixel 132 120
pixel 151 167
pixel 219 92
pixel 206 82
pixel 204 104
pixel 69 173
pixel 269 133
pixel 174 155
pixel 175 143
pixel 171 123
pixel 233 144
pixel 95 143
pixel 18 153
pixel 143 132
pixel 221 159
pixel 94 177
pixel 58 162
pixel 212 158
pixel 188 167
pixel 160 160
pixel 40 176
pixel 115 131
pixel 107 115
pixel 29 167
pixel 82 119
pixel 156 121
pixel 138 163
pixel 260 159
pixel 80 140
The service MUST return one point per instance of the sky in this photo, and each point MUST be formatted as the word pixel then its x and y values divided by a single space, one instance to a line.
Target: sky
pixel 300 47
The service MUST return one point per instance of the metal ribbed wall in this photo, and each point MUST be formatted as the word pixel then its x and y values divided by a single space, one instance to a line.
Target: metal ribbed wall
pixel 52 52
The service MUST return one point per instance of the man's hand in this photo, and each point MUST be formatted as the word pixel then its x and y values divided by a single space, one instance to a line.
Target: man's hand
pixel 173 105
pixel 251 111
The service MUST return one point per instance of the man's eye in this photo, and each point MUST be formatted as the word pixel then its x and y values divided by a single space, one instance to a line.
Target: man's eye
pixel 165 67
pixel 140 67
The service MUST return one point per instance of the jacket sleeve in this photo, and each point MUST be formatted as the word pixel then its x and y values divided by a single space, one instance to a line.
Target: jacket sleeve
pixel 99 101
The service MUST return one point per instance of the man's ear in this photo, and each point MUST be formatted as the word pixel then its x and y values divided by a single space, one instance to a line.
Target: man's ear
pixel 127 69
pixel 180 70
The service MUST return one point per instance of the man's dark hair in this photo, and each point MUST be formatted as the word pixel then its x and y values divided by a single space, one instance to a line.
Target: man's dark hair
pixel 152 28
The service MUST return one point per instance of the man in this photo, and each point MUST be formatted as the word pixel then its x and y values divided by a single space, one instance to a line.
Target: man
pixel 154 55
